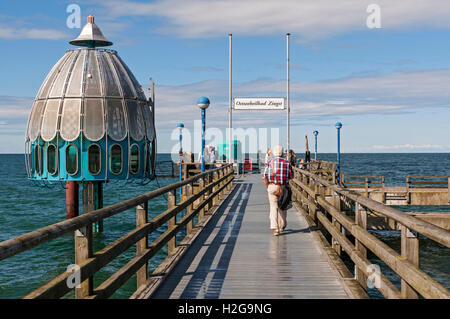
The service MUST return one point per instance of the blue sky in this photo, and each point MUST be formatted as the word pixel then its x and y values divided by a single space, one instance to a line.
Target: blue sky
pixel 389 86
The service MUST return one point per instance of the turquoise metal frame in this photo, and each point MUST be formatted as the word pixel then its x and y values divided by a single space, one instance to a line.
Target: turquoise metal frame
pixel 83 174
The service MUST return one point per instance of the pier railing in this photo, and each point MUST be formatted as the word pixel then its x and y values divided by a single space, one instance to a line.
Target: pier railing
pixel 368 181
pixel 202 193
pixel 417 190
pixel 343 214
pixel 428 181
pixel 324 169
pixel 363 181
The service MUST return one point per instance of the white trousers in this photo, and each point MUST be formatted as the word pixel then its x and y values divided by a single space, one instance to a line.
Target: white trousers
pixel 277 216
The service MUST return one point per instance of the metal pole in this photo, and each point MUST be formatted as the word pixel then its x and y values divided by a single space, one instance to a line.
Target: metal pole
pixel 339 154
pixel 315 148
pixel 72 203
pixel 287 99
pixel 230 98
pixel 180 155
pixel 202 169
pixel 99 204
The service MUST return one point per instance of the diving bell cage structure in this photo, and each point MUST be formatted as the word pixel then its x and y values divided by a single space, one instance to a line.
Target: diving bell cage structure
pixel 91 120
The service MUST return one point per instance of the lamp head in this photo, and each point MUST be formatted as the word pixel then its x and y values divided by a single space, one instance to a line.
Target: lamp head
pixel 316 133
pixel 338 125
pixel 203 103
pixel 180 126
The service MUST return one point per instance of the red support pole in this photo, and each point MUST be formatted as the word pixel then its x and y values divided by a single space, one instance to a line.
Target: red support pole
pixel 72 204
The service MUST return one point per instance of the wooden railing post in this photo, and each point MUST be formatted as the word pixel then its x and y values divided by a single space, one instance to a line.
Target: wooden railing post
pixel 360 220
pixel 201 186
pixel 84 241
pixel 294 193
pixel 171 202
pixel 366 186
pixel 313 208
pixel 141 245
pixel 448 186
pixel 410 251
pixel 188 193
pixel 334 172
pixel 226 172
pixel 215 188
pixel 208 193
pixel 337 204
pixel 408 196
pixel 220 174
pixel 83 251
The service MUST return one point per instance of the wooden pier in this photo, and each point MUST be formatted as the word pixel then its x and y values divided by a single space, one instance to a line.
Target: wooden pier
pixel 228 250
pixel 236 256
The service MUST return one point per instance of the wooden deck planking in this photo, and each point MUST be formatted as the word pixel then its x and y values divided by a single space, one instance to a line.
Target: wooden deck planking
pixel 236 255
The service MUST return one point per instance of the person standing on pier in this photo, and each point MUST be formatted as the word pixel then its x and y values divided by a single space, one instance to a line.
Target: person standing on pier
pixel 212 154
pixel 292 157
pixel 278 171
pixel 268 156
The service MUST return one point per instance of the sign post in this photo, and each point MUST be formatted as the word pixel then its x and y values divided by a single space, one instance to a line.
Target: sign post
pixel 230 101
pixel 259 103
pixel 288 156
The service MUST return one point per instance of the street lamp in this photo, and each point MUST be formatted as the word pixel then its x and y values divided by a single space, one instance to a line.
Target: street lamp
pixel 203 104
pixel 180 127
pixel 338 127
pixel 315 146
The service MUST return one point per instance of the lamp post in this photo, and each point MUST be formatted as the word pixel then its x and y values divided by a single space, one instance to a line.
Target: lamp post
pixel 203 104
pixel 180 127
pixel 315 144
pixel 338 127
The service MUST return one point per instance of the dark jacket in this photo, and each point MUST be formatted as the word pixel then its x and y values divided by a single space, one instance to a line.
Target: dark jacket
pixel 284 201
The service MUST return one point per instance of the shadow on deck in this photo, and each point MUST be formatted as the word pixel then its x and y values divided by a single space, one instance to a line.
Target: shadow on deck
pixel 208 277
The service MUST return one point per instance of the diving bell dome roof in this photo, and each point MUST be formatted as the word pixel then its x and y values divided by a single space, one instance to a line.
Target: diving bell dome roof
pixel 90 91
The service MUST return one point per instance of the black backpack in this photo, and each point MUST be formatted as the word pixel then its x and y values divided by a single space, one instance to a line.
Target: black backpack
pixel 285 201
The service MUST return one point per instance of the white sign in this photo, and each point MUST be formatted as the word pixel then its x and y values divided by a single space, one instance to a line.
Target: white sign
pixel 258 103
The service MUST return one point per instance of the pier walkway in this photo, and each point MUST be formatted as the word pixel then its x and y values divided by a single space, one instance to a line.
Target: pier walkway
pixel 237 256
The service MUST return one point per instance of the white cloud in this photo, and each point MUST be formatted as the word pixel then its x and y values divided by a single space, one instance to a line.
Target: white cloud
pixel 317 102
pixel 306 19
pixel 10 33
pixel 14 112
pixel 410 147
pixel 394 93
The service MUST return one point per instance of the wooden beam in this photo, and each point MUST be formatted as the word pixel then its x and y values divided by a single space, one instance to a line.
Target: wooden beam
pixel 141 245
pixel 171 202
pixel 361 220
pixel 410 252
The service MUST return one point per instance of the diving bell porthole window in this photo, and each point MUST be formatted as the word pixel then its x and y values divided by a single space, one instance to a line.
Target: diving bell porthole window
pixel 71 159
pixel 51 159
pixel 116 159
pixel 134 159
pixel 38 159
pixel 94 159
